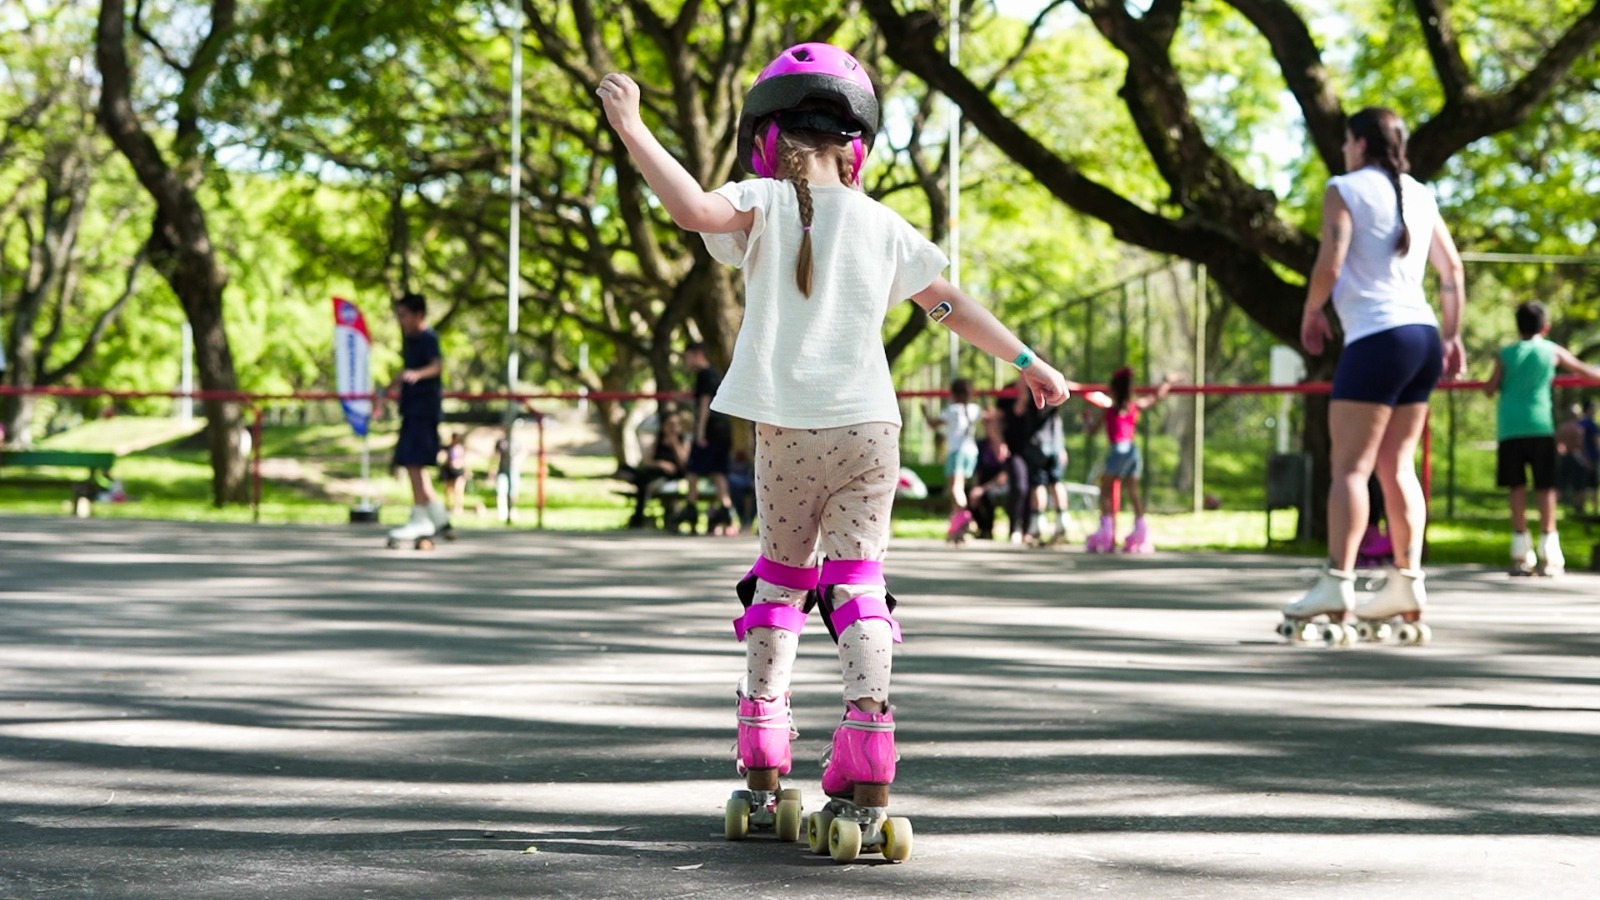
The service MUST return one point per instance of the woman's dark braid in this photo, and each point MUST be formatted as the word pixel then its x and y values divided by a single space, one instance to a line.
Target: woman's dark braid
pixel 1392 166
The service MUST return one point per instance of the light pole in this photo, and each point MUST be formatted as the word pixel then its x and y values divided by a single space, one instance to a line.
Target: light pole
pixel 513 265
pixel 955 180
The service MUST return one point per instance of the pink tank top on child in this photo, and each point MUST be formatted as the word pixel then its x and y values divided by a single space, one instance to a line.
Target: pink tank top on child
pixel 1120 425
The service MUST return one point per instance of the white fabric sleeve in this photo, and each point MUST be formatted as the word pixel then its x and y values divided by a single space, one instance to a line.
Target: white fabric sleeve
pixel 733 248
pixel 918 261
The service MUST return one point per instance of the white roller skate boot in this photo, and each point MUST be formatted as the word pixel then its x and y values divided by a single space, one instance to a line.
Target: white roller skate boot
pixel 765 730
pixel 1396 610
pixel 440 517
pixel 1104 540
pixel 856 773
pixel 1322 613
pixel 1138 539
pixel 1523 561
pixel 1551 560
pixel 418 532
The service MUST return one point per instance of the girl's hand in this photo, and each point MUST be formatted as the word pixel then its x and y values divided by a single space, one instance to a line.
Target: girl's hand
pixel 619 94
pixel 1315 330
pixel 1046 384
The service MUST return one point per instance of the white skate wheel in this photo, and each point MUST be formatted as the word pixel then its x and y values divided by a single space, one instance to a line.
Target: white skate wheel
pixel 736 819
pixel 1307 631
pixel 844 840
pixel 817 826
pixel 1285 630
pixel 786 821
pixel 1407 633
pixel 897 839
pixel 1424 633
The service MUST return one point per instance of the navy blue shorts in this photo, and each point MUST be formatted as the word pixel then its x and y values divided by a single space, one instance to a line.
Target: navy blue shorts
pixel 418 444
pixel 1397 367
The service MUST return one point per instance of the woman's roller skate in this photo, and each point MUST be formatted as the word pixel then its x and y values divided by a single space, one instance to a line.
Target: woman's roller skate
pixel 959 520
pixel 1551 560
pixel 1396 610
pixel 1104 540
pixel 765 729
pixel 1138 539
pixel 1323 613
pixel 418 532
pixel 1523 560
pixel 856 773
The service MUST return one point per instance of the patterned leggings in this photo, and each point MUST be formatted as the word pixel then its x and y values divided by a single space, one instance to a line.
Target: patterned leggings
pixel 827 489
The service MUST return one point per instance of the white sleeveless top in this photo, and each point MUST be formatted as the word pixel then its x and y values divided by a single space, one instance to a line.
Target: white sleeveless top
pixel 1378 289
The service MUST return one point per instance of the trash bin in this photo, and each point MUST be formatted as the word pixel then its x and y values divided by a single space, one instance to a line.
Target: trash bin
pixel 1289 487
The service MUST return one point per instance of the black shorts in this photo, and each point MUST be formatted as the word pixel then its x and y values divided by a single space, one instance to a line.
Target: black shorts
pixel 1398 367
pixel 1516 455
pixel 418 444
pixel 710 459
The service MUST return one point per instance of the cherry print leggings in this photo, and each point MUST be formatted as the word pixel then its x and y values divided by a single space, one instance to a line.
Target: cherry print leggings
pixel 824 491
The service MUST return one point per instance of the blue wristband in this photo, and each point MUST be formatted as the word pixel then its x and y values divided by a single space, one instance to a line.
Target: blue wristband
pixel 1024 359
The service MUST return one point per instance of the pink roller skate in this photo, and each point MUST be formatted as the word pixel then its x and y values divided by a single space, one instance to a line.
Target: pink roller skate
pixel 1138 539
pixel 959 520
pixel 856 773
pixel 765 729
pixel 1104 540
pixel 1376 549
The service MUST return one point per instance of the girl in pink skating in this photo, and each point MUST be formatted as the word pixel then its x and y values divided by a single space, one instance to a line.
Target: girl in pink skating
pixel 823 264
pixel 1123 464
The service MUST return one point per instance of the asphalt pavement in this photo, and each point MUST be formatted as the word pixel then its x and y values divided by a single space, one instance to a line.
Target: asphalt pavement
pixel 202 710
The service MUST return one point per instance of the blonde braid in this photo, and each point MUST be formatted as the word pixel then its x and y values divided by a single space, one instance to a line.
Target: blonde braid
pixel 794 158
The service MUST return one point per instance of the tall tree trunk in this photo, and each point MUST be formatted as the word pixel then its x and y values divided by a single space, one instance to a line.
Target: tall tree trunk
pixel 180 245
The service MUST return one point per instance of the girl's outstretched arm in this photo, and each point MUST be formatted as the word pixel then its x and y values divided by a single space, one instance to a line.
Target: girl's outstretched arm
pixel 972 321
pixel 1162 389
pixel 689 205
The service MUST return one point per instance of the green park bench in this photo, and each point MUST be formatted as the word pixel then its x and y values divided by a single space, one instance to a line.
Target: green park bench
pixel 97 463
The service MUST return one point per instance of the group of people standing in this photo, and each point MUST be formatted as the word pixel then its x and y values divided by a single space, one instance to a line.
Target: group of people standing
pixel 1018 451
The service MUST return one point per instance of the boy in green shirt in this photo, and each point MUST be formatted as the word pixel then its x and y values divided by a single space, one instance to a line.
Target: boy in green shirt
pixel 1525 427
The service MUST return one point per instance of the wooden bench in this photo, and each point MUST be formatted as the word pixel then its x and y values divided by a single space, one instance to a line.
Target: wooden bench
pixel 98 464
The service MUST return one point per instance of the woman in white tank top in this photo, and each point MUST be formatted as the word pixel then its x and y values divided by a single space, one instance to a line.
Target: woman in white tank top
pixel 1380 231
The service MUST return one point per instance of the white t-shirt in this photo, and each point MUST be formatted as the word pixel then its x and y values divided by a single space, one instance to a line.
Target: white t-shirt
pixel 1378 289
pixel 818 361
pixel 960 421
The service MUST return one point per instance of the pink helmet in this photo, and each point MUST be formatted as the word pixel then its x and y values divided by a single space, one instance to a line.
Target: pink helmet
pixel 808 87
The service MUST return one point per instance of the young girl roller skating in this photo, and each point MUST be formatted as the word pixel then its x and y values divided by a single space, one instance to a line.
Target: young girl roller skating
pixel 823 263
pixel 959 425
pixel 1123 464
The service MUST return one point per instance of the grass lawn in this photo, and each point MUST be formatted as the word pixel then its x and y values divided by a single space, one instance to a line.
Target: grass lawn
pixel 312 475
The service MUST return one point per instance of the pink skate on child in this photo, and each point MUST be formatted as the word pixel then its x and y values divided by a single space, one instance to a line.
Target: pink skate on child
pixel 1104 540
pixel 1138 539
pixel 856 773
pixel 765 729
pixel 959 520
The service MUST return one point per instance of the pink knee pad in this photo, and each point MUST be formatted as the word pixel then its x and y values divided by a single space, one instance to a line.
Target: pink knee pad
pixel 863 752
pixel 772 615
pixel 765 729
pixel 854 572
